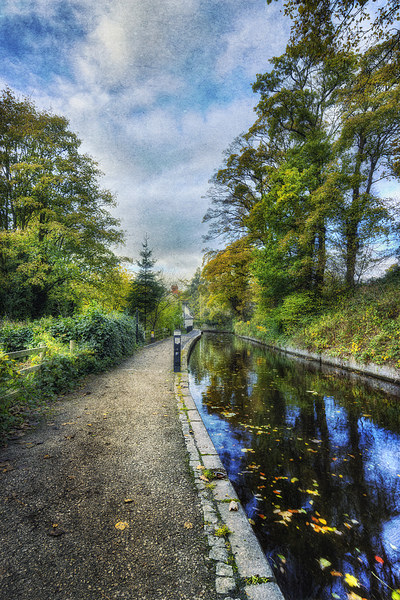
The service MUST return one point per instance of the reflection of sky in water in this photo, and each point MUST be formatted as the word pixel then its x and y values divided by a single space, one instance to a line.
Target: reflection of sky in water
pixel 318 449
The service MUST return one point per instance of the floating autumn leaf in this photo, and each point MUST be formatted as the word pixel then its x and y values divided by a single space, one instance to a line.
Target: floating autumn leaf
pixel 282 558
pixel 121 525
pixel 396 595
pixel 324 563
pixel 353 596
pixel 351 580
pixel 248 450
pixel 336 574
pixel 379 560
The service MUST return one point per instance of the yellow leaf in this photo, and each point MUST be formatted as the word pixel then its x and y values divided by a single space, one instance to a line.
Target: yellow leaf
pixel 128 500
pixel 351 580
pixel 121 525
pixel 188 525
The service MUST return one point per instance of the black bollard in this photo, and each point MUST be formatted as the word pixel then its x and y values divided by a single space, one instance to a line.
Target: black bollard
pixel 177 351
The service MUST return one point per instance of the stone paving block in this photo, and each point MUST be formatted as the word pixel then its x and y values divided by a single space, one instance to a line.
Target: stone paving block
pixel 203 440
pixel 210 516
pixel 246 549
pixel 193 415
pixel 224 570
pixel 189 402
pixel 264 591
pixel 213 462
pixel 215 541
pixel 223 489
pixel 224 585
pixel 220 554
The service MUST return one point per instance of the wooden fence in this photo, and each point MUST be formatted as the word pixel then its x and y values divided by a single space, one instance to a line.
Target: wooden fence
pixel 25 370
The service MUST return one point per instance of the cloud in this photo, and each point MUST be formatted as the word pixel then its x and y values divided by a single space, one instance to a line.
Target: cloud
pixel 155 90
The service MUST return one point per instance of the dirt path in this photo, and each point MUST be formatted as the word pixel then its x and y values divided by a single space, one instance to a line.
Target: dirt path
pixel 64 487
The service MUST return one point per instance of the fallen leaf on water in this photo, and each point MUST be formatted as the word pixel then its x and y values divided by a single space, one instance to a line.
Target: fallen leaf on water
pixel 324 563
pixel 188 525
pixel 351 580
pixel 353 596
pixel 336 574
pixel 379 560
pixel 396 595
pixel 282 558
pixel 121 525
pixel 252 522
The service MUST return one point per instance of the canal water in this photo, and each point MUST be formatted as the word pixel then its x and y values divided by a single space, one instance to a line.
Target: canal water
pixel 314 457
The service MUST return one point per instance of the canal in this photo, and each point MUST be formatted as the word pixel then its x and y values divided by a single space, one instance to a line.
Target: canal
pixel 314 457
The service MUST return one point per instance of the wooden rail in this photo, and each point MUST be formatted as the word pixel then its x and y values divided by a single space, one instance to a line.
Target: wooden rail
pixel 25 370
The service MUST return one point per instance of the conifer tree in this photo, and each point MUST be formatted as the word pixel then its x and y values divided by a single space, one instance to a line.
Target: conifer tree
pixel 146 289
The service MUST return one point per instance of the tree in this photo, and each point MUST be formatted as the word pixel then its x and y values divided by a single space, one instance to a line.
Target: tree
pixel 329 23
pixel 229 279
pixel 55 223
pixel 147 289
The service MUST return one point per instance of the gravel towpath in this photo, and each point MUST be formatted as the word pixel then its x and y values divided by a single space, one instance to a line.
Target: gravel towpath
pixel 110 453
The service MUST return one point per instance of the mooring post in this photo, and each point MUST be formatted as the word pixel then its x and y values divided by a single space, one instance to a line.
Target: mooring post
pixel 177 351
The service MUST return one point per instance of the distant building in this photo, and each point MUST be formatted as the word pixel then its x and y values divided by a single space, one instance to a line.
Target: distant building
pixel 187 318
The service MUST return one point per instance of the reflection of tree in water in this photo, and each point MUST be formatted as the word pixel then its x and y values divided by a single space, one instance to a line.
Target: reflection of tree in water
pixel 309 456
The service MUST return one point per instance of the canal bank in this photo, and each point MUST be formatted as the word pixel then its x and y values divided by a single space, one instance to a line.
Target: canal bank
pixel 241 567
pixel 383 373
pixel 313 456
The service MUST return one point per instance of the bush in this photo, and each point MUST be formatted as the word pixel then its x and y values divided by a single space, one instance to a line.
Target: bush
pixel 101 340
pixel 16 336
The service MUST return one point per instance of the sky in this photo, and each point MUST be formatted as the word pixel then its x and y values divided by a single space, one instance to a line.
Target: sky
pixel 156 90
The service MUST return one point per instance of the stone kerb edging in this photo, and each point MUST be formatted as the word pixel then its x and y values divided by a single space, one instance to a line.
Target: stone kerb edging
pixel 385 373
pixel 241 568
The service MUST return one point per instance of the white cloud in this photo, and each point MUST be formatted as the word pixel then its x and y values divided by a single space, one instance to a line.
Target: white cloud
pixel 255 37
pixel 141 92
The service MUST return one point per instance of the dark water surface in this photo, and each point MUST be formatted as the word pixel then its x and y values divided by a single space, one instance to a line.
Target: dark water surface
pixel 315 460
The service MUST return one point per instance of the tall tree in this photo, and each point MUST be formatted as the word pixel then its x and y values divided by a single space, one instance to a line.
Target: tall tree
pixel 147 289
pixel 55 224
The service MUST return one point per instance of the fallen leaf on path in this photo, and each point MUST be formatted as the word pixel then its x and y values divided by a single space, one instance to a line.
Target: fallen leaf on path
pixel 128 500
pixel 48 456
pixel 121 525
pixel 188 525
pixel 233 505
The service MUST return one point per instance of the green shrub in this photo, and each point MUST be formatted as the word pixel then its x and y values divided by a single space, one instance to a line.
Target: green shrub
pixel 16 336
pixel 101 341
